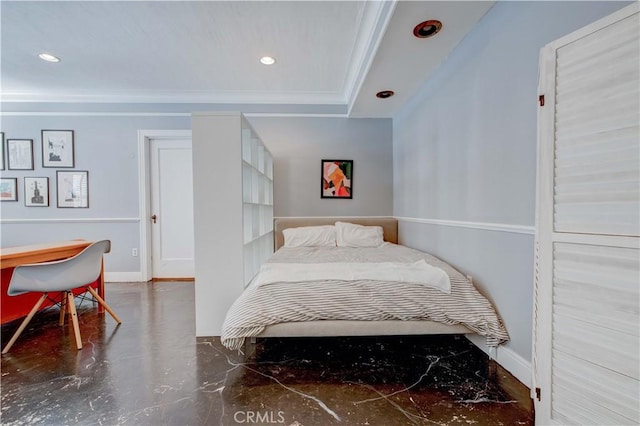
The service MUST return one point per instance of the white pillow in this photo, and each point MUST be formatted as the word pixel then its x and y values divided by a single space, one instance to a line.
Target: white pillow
pixel 310 236
pixel 352 235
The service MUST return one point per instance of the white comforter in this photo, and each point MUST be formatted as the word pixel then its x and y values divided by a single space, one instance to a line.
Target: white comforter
pixel 419 272
pixel 357 298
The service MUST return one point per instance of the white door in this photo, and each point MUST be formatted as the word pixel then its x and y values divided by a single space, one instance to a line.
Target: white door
pixel 172 208
pixel 587 339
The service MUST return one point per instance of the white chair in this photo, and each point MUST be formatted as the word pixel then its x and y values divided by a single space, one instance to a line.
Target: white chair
pixel 60 276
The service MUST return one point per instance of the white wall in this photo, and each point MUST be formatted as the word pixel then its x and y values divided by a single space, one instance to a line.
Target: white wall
pixel 465 151
pixel 218 223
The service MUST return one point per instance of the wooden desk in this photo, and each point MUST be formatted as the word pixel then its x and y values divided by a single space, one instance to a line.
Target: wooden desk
pixel 14 307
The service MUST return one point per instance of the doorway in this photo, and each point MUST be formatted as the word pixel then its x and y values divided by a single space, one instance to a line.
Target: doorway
pixel 171 209
pixel 166 205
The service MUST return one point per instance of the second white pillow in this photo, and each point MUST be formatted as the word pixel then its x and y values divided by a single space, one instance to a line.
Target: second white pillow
pixel 352 235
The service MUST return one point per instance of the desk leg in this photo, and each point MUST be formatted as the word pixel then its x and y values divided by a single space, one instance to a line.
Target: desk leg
pixel 101 288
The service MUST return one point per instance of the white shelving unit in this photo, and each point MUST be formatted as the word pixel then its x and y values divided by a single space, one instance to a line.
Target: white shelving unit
pixel 257 198
pixel 233 212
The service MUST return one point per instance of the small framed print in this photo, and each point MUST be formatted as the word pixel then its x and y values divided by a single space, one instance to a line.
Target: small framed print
pixel 57 148
pixel 73 189
pixel 8 189
pixel 2 152
pixel 20 154
pixel 337 179
pixel 36 192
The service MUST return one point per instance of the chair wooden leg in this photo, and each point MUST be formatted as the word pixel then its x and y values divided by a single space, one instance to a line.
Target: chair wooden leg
pixel 25 323
pixel 104 304
pixel 74 317
pixel 63 308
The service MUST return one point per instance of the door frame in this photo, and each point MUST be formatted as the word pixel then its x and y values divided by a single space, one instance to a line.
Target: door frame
pixel 144 189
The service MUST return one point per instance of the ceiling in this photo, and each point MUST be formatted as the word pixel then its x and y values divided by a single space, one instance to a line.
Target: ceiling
pixel 331 56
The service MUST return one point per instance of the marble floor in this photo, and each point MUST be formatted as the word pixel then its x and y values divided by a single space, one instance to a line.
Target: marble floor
pixel 151 370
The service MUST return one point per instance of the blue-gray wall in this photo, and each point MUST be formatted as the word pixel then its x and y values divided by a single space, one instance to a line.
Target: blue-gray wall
pixel 106 144
pixel 465 151
pixel 298 145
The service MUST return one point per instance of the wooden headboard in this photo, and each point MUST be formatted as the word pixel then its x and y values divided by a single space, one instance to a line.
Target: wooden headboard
pixel 389 225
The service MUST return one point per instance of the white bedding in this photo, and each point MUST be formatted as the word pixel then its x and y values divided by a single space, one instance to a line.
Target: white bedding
pixel 358 299
pixel 419 272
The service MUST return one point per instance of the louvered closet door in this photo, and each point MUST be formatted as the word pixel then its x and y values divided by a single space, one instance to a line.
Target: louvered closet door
pixel 588 220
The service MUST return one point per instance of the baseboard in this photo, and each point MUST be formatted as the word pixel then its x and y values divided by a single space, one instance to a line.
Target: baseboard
pixel 207 331
pixel 507 358
pixel 123 277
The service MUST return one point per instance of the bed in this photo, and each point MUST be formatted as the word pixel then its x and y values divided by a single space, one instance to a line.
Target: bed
pixel 367 305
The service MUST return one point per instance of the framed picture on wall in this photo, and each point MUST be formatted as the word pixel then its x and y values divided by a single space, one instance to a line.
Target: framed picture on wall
pixel 8 189
pixel 73 189
pixel 57 148
pixel 337 179
pixel 2 152
pixel 36 191
pixel 20 154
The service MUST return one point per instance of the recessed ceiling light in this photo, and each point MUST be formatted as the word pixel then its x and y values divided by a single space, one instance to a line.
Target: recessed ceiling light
pixel 427 28
pixel 385 94
pixel 267 60
pixel 48 57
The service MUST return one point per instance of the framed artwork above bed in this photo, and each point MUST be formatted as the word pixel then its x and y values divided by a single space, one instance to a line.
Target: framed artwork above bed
pixel 337 179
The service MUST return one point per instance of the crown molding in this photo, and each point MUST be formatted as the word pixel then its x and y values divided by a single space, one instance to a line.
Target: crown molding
pixel 178 97
pixel 160 114
pixel 373 25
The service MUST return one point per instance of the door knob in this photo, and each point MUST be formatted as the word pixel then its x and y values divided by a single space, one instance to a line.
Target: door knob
pixel 154 218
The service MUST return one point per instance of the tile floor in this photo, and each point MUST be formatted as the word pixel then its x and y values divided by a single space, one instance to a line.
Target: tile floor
pixel 151 370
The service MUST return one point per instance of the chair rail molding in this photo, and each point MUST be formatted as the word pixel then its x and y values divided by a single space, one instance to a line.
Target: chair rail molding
pixel 486 226
pixel 70 220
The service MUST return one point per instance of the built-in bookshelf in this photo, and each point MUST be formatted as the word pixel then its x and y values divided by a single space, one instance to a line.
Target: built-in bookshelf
pixel 233 212
pixel 257 198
